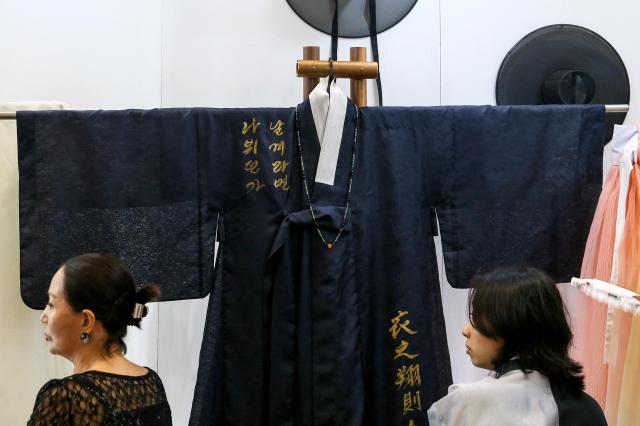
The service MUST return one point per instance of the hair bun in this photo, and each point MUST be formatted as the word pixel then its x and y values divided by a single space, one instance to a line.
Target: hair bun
pixel 147 293
pixel 139 311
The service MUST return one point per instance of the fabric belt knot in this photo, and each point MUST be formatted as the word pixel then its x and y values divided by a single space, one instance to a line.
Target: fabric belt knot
pixel 329 218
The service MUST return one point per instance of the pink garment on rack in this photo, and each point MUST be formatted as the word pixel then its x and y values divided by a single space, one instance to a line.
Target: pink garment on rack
pixel 629 380
pixel 630 246
pixel 589 316
pixel 629 267
pixel 601 335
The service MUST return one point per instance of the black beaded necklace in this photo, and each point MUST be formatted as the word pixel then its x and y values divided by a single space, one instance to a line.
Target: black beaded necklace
pixel 329 245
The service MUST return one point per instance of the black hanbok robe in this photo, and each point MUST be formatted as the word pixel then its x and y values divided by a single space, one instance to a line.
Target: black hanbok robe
pixel 297 333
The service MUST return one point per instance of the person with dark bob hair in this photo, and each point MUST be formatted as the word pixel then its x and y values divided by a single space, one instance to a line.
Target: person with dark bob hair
pixel 92 300
pixel 518 329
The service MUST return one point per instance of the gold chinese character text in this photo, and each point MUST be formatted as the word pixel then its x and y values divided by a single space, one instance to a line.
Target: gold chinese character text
pixel 254 185
pixel 277 147
pixel 411 402
pixel 252 166
pixel 253 126
pixel 408 376
pixel 412 423
pixel 276 127
pixel 250 146
pixel 280 166
pixel 400 351
pixel 396 326
pixel 282 183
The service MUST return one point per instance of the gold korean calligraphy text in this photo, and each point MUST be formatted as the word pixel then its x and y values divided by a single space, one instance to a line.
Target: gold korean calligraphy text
pixel 254 185
pixel 276 127
pixel 277 147
pixel 282 183
pixel 252 166
pixel 250 146
pixel 280 166
pixel 250 126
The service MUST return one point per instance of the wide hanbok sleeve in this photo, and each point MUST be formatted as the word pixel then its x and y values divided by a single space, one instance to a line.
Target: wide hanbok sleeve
pixel 521 187
pixel 146 185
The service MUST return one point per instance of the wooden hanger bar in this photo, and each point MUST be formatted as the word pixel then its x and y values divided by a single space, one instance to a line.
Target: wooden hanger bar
pixel 358 70
pixel 341 69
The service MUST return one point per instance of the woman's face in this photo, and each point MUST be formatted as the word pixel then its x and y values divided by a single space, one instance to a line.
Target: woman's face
pixel 62 325
pixel 481 349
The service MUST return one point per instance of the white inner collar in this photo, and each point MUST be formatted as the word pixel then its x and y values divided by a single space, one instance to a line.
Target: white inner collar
pixel 329 110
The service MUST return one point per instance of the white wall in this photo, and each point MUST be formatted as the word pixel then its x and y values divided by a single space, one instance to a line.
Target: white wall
pixel 89 54
pixel 181 53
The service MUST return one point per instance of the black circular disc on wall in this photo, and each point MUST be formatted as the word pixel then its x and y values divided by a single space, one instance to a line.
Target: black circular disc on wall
pixel 564 64
pixel 353 15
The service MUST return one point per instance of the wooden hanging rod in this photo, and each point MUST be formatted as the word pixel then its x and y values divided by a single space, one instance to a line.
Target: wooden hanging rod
pixel 357 70
pixel 341 69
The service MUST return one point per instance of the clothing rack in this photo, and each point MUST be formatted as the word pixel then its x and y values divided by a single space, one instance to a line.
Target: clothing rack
pixel 607 108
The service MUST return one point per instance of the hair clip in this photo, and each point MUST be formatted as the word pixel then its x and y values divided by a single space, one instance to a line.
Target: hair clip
pixel 138 311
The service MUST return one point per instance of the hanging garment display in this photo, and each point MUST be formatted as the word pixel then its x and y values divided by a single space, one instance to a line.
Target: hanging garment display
pixel 305 327
pixel 27 364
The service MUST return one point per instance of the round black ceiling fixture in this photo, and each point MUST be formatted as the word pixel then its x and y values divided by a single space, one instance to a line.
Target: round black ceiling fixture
pixel 353 15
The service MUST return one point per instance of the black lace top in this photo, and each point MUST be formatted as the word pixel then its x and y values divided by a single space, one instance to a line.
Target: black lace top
pixel 97 398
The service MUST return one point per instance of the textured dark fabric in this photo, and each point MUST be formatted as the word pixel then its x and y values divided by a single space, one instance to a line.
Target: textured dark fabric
pixel 521 187
pixel 297 333
pixel 577 410
pixel 102 399
pixel 206 407
pixel 120 182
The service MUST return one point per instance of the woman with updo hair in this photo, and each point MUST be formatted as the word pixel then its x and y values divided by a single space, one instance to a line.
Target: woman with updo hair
pixel 92 300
